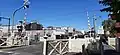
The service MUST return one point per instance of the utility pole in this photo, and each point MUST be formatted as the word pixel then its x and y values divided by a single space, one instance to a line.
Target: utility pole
pixel 89 28
pixel 26 5
pixel 9 26
pixel 94 24
pixel 101 38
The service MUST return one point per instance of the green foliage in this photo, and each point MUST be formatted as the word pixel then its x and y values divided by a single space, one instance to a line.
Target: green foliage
pixel 112 6
pixel 108 25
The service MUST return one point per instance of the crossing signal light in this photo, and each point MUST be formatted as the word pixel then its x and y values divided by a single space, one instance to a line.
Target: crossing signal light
pixel 26 6
pixel 20 28
pixel 70 34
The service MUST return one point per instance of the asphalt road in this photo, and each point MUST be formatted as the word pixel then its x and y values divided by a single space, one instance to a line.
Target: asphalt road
pixel 36 49
pixel 25 50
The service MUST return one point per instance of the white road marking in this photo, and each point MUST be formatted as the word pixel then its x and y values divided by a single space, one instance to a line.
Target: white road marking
pixel 9 52
pixel 15 53
pixel 1 51
pixel 6 51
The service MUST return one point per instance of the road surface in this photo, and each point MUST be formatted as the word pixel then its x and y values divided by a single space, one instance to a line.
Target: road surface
pixel 25 50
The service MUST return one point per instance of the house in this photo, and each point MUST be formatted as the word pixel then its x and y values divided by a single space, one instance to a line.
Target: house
pixel 33 26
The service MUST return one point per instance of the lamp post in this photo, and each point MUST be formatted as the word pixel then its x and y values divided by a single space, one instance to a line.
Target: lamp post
pixel 26 5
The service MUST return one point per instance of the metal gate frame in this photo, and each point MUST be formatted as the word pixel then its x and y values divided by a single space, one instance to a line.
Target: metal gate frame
pixel 60 50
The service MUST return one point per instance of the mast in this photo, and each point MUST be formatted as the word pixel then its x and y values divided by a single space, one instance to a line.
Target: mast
pixel 26 6
pixel 89 28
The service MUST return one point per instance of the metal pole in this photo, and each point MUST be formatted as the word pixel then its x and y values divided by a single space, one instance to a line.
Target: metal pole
pixel 45 50
pixel 69 44
pixel 60 48
pixel 13 15
pixel 101 46
pixel 89 28
pixel 26 2
pixel 45 47
pixel 9 27
pixel 118 44
pixel 83 49
pixel 94 23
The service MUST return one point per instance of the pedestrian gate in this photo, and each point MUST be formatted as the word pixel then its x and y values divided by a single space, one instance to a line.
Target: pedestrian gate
pixel 54 47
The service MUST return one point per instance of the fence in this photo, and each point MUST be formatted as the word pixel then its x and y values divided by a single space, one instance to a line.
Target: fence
pixel 61 46
pixel 53 47
pixel 9 41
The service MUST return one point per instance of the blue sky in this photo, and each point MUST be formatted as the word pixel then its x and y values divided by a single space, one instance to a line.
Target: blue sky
pixel 55 12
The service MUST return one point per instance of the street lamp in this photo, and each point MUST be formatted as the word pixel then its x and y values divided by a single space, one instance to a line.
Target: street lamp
pixel 26 5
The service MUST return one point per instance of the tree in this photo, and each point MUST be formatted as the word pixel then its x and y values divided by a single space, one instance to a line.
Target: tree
pixel 112 6
pixel 108 25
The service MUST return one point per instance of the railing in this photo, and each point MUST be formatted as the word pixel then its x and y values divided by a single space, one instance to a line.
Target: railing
pixel 6 41
pixel 54 47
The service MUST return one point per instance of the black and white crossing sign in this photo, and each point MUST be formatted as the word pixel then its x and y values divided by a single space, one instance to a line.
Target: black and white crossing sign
pixel 26 4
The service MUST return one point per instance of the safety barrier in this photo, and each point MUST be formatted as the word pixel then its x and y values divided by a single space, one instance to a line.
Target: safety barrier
pixel 53 47
pixel 61 46
pixel 9 41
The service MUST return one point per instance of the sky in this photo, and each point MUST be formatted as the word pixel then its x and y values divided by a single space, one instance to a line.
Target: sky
pixel 55 12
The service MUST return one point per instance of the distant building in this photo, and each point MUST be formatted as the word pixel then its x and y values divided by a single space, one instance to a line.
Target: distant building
pixel 100 30
pixel 5 28
pixel 33 26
